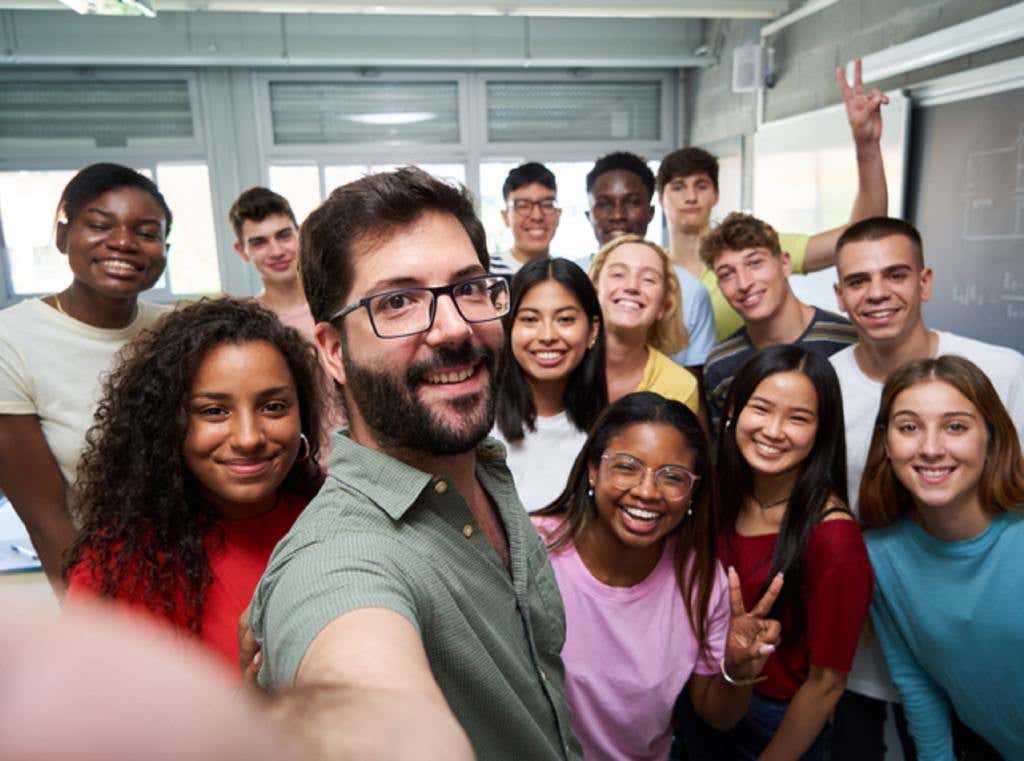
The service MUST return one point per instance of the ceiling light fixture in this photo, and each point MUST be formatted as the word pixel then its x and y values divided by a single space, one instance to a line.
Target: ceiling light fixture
pixel 112 7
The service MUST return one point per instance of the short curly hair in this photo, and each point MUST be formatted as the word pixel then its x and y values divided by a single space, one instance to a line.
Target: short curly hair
pixel 144 521
pixel 738 232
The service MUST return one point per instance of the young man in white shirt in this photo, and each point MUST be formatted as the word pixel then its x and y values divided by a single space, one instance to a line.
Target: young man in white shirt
pixel 267 236
pixel 532 214
pixel 883 281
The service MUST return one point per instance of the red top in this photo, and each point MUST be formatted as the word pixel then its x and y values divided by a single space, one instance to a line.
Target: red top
pixel 236 565
pixel 838 583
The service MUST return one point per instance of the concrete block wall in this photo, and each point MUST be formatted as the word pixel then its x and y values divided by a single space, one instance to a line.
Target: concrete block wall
pixel 807 53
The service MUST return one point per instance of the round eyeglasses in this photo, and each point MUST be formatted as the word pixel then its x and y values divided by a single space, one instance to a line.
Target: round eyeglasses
pixel 407 311
pixel 524 207
pixel 623 471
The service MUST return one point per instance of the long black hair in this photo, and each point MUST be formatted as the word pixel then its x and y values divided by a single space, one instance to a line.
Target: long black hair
pixel 586 392
pixel 696 532
pixel 144 520
pixel 821 478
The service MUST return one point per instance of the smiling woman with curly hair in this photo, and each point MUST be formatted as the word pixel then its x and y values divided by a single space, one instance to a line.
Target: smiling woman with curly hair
pixel 202 455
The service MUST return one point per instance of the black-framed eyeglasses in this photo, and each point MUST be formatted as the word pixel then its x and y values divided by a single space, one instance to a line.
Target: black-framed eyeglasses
pixel 524 207
pixel 408 311
pixel 626 472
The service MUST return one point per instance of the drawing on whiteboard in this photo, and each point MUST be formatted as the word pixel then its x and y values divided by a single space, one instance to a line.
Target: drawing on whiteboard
pixel 994 193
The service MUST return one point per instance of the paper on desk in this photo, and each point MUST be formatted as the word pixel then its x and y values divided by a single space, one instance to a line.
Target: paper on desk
pixel 13 535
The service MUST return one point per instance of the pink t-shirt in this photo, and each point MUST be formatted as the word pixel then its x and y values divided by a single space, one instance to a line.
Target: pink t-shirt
pixel 628 653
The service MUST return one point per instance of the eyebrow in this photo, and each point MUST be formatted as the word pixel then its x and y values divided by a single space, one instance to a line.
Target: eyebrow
pixel 566 308
pixel 387 284
pixel 223 396
pixel 111 215
pixel 769 402
pixel 954 413
pixel 885 271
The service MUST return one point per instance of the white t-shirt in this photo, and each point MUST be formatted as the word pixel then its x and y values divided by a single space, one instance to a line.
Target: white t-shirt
pixel 540 462
pixel 861 397
pixel 52 366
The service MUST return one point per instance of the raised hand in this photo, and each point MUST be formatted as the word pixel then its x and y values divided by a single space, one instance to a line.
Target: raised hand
pixel 863 109
pixel 752 636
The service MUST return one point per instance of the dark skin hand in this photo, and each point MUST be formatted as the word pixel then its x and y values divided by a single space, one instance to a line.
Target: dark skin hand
pixel 30 478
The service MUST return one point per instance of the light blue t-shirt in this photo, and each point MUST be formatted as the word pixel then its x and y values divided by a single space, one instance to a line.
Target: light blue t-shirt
pixel 697 317
pixel 950 619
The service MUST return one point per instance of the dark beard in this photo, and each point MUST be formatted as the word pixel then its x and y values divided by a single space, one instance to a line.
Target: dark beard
pixel 400 421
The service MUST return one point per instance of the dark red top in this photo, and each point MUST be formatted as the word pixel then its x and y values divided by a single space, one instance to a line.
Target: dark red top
pixel 838 583
pixel 236 564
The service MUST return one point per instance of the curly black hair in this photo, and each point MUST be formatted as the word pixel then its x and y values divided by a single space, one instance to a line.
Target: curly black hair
pixel 144 521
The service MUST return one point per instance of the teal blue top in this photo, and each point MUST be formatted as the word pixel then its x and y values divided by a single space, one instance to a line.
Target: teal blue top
pixel 950 618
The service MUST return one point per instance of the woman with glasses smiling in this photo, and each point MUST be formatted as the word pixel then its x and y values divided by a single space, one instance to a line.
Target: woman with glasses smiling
pixel 648 609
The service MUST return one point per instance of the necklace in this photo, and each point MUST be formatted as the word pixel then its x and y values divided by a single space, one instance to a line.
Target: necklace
pixel 56 301
pixel 775 503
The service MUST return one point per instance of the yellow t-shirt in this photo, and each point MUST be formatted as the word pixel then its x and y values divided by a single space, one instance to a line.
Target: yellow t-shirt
pixel 727 319
pixel 665 377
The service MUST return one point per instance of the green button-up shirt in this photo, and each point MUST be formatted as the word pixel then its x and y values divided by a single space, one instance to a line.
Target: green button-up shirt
pixel 381 534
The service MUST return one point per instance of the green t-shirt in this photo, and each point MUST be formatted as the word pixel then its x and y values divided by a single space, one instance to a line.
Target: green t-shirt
pixel 382 534
pixel 727 319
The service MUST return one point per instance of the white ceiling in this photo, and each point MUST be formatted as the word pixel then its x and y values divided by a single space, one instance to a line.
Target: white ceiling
pixel 758 9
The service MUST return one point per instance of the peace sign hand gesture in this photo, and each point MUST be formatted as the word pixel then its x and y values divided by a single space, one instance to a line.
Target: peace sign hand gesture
pixel 863 109
pixel 752 636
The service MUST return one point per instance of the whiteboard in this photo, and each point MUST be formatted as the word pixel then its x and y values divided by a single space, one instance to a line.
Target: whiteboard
pixel 805 178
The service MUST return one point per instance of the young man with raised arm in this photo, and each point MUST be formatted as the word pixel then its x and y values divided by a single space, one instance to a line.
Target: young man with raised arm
pixel 753 276
pixel 267 236
pixel 883 282
pixel 413 588
pixel 687 187
pixel 532 214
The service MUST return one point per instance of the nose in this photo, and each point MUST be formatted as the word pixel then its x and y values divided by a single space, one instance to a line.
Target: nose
pixel 933 445
pixel 876 289
pixel 246 431
pixel 772 427
pixel 647 488
pixel 121 238
pixel 547 333
pixel 743 280
pixel 449 326
pixel 536 213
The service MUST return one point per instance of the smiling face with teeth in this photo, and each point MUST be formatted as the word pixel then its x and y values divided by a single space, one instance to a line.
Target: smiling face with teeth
pixel 427 392
pixel 882 284
pixel 550 335
pixel 754 281
pixel 937 442
pixel 640 518
pixel 115 245
pixel 631 288
pixel 776 429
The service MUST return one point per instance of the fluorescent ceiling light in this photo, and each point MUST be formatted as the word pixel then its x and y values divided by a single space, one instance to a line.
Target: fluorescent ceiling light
pixel 392 119
pixel 112 7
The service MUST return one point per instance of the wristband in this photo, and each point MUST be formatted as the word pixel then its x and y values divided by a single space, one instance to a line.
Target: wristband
pixel 740 682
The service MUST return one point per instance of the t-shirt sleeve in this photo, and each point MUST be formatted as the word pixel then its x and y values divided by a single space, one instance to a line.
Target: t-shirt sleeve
pixel 719 616
pixel 838 584
pixel 926 706
pixel 700 325
pixel 306 587
pixel 795 244
pixel 17 391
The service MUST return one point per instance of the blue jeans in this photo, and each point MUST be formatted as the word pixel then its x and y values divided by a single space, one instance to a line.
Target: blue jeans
pixel 698 741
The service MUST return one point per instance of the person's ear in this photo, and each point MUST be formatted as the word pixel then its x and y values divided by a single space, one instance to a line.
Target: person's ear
pixel 61 237
pixel 595 326
pixel 926 284
pixel 504 217
pixel 787 263
pixel 329 345
pixel 240 250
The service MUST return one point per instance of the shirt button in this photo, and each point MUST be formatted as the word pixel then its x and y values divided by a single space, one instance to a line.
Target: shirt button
pixel 441 487
pixel 467 531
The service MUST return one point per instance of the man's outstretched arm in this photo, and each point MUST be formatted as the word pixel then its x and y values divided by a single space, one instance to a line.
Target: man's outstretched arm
pixel 364 690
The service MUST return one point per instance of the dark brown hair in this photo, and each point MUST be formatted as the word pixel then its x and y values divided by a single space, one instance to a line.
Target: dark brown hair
pixel 884 499
pixel 687 162
pixel 255 205
pixel 877 228
pixel 367 211
pixel 737 232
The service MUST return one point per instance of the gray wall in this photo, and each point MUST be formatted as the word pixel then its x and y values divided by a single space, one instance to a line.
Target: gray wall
pixel 807 53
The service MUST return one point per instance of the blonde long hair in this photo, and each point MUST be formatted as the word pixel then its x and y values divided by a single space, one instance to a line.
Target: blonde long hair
pixel 668 335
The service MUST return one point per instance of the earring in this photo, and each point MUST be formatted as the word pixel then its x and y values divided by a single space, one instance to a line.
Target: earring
pixel 590 492
pixel 304 448
pixel 728 423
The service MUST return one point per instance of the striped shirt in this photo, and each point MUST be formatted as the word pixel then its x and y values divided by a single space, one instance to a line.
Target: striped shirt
pixel 826 334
